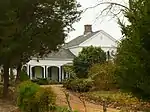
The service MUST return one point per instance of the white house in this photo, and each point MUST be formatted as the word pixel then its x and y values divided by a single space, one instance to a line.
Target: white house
pixel 52 66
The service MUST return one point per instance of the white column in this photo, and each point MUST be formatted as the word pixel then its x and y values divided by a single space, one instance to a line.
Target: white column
pixel 59 74
pixel 44 72
pixel 31 72
pixel 62 73
pixel 28 69
pixel 67 75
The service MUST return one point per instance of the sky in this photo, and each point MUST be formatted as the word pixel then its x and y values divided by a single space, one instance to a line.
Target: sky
pixel 106 23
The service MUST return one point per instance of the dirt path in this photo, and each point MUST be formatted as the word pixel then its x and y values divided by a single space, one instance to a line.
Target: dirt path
pixel 6 106
pixel 75 102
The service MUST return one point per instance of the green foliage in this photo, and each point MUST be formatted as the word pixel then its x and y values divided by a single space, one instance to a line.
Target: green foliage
pixel 45 98
pixel 78 85
pixel 33 98
pixel 53 82
pixel 24 76
pixel 87 57
pixel 26 91
pixel 103 76
pixel 36 21
pixel 33 29
pixel 41 81
pixel 133 57
pixel 67 82
pixel 70 69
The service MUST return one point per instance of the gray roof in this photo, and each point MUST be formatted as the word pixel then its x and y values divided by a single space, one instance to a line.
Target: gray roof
pixel 77 41
pixel 62 54
pixel 80 39
pixel 65 53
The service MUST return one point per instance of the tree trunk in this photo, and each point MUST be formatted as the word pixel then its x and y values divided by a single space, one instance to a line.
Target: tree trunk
pixel 18 73
pixel 6 80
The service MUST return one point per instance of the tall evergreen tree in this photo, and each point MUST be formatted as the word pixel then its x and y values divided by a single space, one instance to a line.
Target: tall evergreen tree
pixel 32 28
pixel 133 57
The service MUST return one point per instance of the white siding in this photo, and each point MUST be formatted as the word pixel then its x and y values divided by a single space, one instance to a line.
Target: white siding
pixel 76 50
pixel 99 40
pixel 48 62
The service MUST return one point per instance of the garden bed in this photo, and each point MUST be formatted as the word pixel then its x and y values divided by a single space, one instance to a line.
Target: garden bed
pixel 118 100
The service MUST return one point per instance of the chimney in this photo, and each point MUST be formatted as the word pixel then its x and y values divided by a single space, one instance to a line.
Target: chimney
pixel 87 29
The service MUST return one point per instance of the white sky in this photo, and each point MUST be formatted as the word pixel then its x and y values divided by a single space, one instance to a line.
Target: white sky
pixel 105 23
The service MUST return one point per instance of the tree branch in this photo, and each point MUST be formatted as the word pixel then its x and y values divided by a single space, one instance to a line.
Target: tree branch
pixel 110 3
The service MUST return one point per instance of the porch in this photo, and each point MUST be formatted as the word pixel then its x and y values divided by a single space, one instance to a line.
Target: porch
pixel 54 73
pixel 50 69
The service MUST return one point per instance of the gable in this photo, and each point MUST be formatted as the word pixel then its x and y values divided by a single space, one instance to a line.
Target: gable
pixel 101 39
pixel 77 41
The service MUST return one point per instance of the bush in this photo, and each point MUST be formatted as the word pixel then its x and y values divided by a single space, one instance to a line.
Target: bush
pixel 52 82
pixel 87 57
pixel 70 69
pixel 45 98
pixel 103 76
pixel 41 81
pixel 67 82
pixel 33 98
pixel 24 76
pixel 78 85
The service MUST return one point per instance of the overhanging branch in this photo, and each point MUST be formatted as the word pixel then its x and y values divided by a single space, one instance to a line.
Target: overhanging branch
pixel 110 3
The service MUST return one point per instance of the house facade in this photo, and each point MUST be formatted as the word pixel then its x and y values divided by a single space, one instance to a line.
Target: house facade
pixel 51 67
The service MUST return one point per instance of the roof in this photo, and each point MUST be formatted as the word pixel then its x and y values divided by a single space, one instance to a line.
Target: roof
pixel 80 39
pixel 77 41
pixel 61 54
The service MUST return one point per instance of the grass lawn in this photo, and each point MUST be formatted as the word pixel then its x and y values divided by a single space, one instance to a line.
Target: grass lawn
pixel 118 99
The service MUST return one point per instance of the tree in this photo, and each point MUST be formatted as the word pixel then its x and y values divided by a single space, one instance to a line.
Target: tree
pixel 87 57
pixel 32 28
pixel 133 57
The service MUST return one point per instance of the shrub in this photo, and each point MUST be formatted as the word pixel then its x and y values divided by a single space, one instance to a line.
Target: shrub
pixel 78 85
pixel 67 82
pixel 103 76
pixel 70 69
pixel 26 91
pixel 33 98
pixel 45 98
pixel 24 76
pixel 52 82
pixel 41 81
pixel 87 57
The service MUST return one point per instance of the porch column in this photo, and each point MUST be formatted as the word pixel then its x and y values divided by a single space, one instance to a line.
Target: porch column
pixel 59 75
pixel 67 75
pixel 31 72
pixel 62 73
pixel 44 71
pixel 28 70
